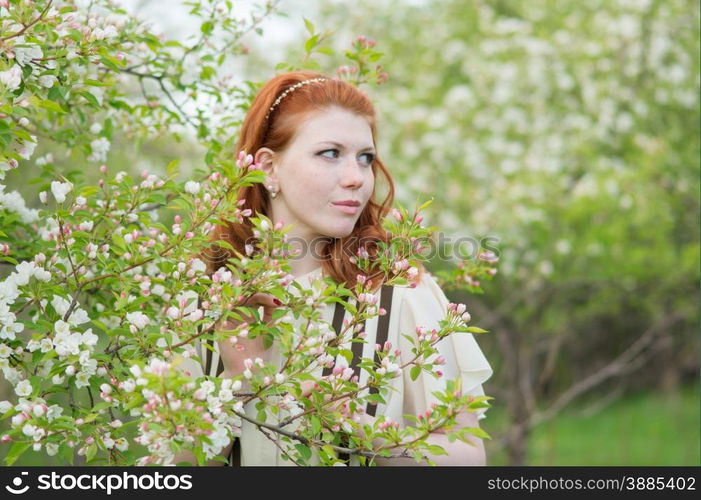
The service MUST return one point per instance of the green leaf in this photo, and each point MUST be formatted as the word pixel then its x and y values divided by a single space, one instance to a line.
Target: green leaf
pixel 475 431
pixel 425 205
pixel 55 94
pixel 475 329
pixel 304 450
pixel 92 100
pixel 207 27
pixel 90 453
pixel 15 452
pixel 51 106
pixel 139 400
pixel 207 72
pixel 118 240
pixel 96 83
pixel 225 244
pixel 311 43
pixel 108 129
pixel 348 354
pixel 316 425
pixel 89 191
pixel 415 372
pixel 66 452
pixel 309 25
pixel 172 168
pixel 376 398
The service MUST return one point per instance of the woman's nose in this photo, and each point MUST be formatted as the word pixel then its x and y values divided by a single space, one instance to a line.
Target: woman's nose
pixel 352 174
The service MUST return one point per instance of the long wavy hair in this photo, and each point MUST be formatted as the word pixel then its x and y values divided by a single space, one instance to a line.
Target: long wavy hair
pixel 277 132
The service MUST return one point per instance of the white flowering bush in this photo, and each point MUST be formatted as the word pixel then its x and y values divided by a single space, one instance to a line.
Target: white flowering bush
pixel 104 293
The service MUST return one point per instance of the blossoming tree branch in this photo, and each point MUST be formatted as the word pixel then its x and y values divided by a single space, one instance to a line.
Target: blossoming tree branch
pixel 99 309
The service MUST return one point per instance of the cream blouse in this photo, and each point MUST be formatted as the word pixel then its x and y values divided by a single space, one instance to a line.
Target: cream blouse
pixel 425 305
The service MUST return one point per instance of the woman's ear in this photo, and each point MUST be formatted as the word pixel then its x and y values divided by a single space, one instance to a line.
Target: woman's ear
pixel 265 158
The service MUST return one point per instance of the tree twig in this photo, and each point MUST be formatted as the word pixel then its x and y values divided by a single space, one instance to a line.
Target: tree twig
pixel 27 26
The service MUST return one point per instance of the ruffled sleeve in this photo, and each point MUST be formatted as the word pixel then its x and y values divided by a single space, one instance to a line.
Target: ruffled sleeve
pixel 425 306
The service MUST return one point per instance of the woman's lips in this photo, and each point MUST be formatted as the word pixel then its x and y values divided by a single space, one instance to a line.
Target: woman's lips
pixel 347 209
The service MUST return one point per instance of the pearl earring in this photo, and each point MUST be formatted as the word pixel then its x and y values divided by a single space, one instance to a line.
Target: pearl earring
pixel 273 193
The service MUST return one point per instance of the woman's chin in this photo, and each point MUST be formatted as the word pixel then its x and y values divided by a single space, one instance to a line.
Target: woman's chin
pixel 340 232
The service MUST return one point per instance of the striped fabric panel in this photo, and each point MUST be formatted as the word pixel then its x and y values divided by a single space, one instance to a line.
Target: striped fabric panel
pixel 381 334
pixel 214 366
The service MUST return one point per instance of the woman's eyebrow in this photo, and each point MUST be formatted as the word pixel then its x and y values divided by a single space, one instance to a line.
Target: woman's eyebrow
pixel 341 146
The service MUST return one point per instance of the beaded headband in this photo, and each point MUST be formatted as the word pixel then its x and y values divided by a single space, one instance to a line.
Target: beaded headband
pixel 292 88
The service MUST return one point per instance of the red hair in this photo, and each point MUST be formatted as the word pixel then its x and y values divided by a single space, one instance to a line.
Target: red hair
pixel 276 133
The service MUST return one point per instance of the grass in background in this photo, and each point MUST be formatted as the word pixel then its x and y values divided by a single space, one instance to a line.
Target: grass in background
pixel 650 428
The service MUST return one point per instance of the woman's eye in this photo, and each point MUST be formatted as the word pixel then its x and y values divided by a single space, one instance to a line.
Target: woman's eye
pixel 370 158
pixel 323 153
pixel 334 153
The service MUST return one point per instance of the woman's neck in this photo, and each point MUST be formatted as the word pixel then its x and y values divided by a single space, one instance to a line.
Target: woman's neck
pixel 300 269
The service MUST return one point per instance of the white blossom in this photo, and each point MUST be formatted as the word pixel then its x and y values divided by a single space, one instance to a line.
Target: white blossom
pixel 24 55
pixel 24 388
pixel 198 266
pixel 137 319
pixel 89 338
pixel 12 78
pixel 48 81
pixel 26 148
pixel 192 187
pixel 219 439
pixel 100 147
pixel 60 190
pixel 82 379
pixel 14 202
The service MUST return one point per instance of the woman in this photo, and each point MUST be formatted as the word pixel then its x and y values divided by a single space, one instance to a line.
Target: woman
pixel 314 137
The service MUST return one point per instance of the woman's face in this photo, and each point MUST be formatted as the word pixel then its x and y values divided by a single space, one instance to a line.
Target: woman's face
pixel 327 163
